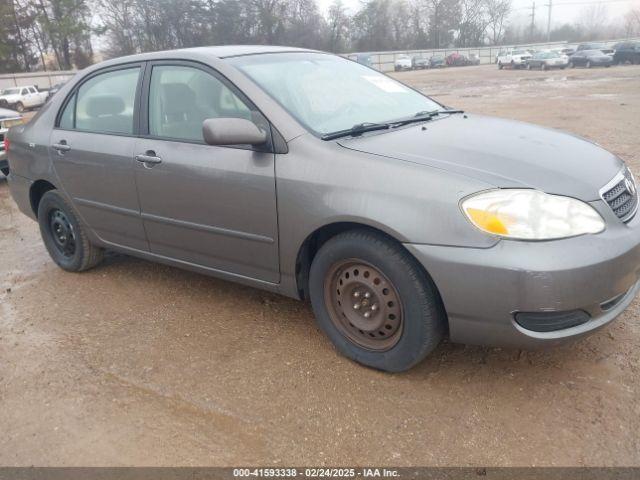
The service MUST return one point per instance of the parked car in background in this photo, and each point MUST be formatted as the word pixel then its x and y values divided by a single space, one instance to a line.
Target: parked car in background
pixel 568 50
pixel 492 231
pixel 547 59
pixel 364 59
pixel 590 58
pixel 457 60
pixel 53 90
pixel 595 46
pixel 474 59
pixel 513 58
pixel 8 119
pixel 626 52
pixel 419 63
pixel 403 62
pixel 437 61
pixel 22 98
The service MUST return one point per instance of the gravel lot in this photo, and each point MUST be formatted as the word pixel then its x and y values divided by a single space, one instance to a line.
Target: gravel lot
pixel 135 363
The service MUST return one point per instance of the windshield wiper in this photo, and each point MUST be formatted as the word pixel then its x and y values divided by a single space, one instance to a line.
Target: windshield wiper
pixel 358 129
pixel 425 115
pixel 361 128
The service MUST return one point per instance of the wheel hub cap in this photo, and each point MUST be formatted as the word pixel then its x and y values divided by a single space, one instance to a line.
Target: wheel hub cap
pixel 364 305
pixel 62 232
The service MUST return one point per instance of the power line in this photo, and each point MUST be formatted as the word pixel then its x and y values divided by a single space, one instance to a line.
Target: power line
pixel 581 2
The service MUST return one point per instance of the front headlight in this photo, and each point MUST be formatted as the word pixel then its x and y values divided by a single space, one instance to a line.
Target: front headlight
pixel 531 215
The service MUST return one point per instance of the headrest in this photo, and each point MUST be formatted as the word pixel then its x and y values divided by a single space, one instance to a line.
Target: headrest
pixel 177 98
pixel 100 105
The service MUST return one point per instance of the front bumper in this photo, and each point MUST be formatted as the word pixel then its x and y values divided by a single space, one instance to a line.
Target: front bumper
pixel 482 289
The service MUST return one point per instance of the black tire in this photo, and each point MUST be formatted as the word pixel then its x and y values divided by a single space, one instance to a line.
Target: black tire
pixel 84 254
pixel 499 65
pixel 19 107
pixel 5 171
pixel 423 319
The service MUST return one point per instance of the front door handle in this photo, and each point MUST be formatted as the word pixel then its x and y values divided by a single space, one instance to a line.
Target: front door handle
pixel 61 147
pixel 149 158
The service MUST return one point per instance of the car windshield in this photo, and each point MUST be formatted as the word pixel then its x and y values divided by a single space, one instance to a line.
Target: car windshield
pixel 11 91
pixel 327 93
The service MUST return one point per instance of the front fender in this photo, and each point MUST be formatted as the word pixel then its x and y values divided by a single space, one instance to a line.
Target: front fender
pixel 320 183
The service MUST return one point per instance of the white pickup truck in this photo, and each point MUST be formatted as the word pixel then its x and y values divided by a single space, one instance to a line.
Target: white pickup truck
pixel 22 98
pixel 513 58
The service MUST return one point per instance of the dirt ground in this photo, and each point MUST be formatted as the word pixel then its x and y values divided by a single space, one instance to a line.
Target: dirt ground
pixel 134 363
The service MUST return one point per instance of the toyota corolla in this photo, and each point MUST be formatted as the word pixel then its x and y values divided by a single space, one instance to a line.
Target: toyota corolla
pixel 306 174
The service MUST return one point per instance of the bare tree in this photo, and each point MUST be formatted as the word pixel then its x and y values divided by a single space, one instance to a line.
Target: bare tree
pixel 592 21
pixel 338 22
pixel 497 13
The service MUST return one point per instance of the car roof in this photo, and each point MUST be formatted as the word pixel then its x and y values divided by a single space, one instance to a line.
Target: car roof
pixel 219 51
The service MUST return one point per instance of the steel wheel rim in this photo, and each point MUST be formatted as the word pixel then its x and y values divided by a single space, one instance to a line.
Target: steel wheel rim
pixel 62 233
pixel 364 305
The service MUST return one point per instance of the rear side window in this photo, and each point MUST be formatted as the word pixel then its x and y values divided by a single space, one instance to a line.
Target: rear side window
pixel 104 103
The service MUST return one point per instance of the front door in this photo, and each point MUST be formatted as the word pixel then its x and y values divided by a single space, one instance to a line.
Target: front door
pixel 92 148
pixel 209 206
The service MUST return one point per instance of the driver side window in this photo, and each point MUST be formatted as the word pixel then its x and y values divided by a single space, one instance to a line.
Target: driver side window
pixel 181 98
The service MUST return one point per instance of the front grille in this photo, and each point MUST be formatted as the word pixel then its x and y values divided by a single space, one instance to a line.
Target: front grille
pixel 622 196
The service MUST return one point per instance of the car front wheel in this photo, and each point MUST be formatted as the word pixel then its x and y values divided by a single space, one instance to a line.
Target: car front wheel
pixel 375 302
pixel 64 236
pixel 19 107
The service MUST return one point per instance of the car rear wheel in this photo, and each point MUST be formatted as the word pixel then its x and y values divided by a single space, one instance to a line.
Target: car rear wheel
pixel 500 65
pixel 64 236
pixel 374 301
pixel 5 171
pixel 19 107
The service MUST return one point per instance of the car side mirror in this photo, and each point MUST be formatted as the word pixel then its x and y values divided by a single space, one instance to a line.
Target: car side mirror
pixel 232 131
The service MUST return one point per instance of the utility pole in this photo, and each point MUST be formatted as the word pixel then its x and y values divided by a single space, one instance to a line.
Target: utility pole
pixel 550 5
pixel 533 21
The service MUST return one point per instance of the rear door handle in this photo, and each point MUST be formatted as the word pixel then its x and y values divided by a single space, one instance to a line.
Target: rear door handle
pixel 61 147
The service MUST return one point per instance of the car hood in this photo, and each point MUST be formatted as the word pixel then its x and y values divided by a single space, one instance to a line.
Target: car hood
pixel 503 153
pixel 6 113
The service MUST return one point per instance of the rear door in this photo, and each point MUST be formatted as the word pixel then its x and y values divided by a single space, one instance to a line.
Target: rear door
pixel 211 206
pixel 91 149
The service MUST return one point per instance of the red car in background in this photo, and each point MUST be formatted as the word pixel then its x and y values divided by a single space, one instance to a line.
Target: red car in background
pixel 460 60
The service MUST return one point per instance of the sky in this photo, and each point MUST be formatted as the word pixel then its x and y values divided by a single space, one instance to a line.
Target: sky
pixel 563 10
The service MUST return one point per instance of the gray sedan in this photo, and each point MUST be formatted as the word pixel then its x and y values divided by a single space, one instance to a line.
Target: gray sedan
pixel 590 58
pixel 306 174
